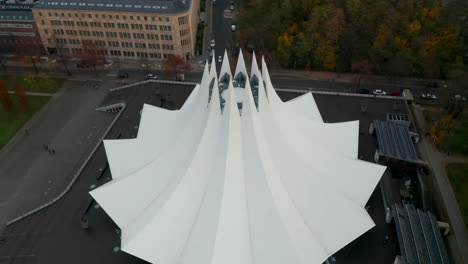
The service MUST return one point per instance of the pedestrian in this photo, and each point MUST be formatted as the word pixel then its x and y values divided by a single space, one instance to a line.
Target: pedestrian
pixel 46 147
pixel 53 151
pixel 26 131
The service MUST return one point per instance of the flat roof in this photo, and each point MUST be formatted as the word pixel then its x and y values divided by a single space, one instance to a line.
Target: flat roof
pixel 419 236
pixel 137 6
pixel 395 141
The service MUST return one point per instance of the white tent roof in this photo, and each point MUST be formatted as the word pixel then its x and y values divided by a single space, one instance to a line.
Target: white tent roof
pixel 267 184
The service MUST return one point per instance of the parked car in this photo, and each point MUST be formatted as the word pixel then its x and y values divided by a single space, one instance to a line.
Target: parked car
pixel 364 91
pixel 220 59
pixel 231 7
pixel 212 55
pixel 458 97
pixel 396 93
pixel 123 75
pixel 213 43
pixel 151 76
pixel 428 96
pixel 379 92
pixel 233 28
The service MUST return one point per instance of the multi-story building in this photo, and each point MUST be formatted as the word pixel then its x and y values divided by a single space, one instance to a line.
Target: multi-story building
pixel 18 31
pixel 122 29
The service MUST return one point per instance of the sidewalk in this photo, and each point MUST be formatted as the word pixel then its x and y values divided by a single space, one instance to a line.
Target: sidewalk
pixel 458 237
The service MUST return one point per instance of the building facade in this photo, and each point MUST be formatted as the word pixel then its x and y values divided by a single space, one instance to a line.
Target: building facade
pixel 18 32
pixel 119 29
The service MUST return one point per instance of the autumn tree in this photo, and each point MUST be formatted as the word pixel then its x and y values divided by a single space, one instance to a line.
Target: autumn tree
pixel 410 38
pixel 21 95
pixel 362 67
pixel 5 98
pixel 62 52
pixel 92 54
pixel 175 64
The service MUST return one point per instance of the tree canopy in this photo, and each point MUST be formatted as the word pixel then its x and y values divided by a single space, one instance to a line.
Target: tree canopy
pixel 402 37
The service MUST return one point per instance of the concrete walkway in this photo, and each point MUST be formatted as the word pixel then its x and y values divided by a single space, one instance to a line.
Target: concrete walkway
pixel 29 174
pixel 458 237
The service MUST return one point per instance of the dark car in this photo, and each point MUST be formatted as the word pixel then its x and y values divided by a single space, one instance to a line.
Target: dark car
pixel 123 75
pixel 364 91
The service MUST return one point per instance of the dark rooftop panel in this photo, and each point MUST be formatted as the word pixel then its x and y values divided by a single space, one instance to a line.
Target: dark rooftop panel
pixel 395 141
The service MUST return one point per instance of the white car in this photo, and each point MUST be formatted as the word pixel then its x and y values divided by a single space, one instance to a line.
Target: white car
pixel 378 92
pixel 213 43
pixel 233 28
pixel 151 76
pixel 220 59
pixel 231 7
pixel 428 96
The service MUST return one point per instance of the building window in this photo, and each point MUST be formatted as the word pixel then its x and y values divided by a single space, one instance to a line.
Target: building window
pixel 40 13
pixel 131 17
pixel 124 17
pixel 69 14
pixel 42 22
pixel 160 18
pixel 117 17
pixel 46 31
pixel 103 16
pixel 167 19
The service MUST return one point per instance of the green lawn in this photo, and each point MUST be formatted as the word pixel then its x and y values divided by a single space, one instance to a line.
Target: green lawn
pixel 457 141
pixel 12 121
pixel 458 175
pixel 42 84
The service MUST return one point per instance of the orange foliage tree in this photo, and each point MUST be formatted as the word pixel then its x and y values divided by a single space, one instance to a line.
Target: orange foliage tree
pixel 22 97
pixel 175 64
pixel 5 98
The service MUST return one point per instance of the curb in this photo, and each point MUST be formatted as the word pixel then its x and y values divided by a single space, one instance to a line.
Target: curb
pixel 151 81
pixel 341 93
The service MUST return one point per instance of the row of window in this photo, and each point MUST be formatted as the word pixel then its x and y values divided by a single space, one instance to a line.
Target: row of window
pixel 109 34
pixel 78 51
pixel 183 20
pixel 184 32
pixel 104 16
pixel 15 26
pixel 113 44
pixel 107 25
